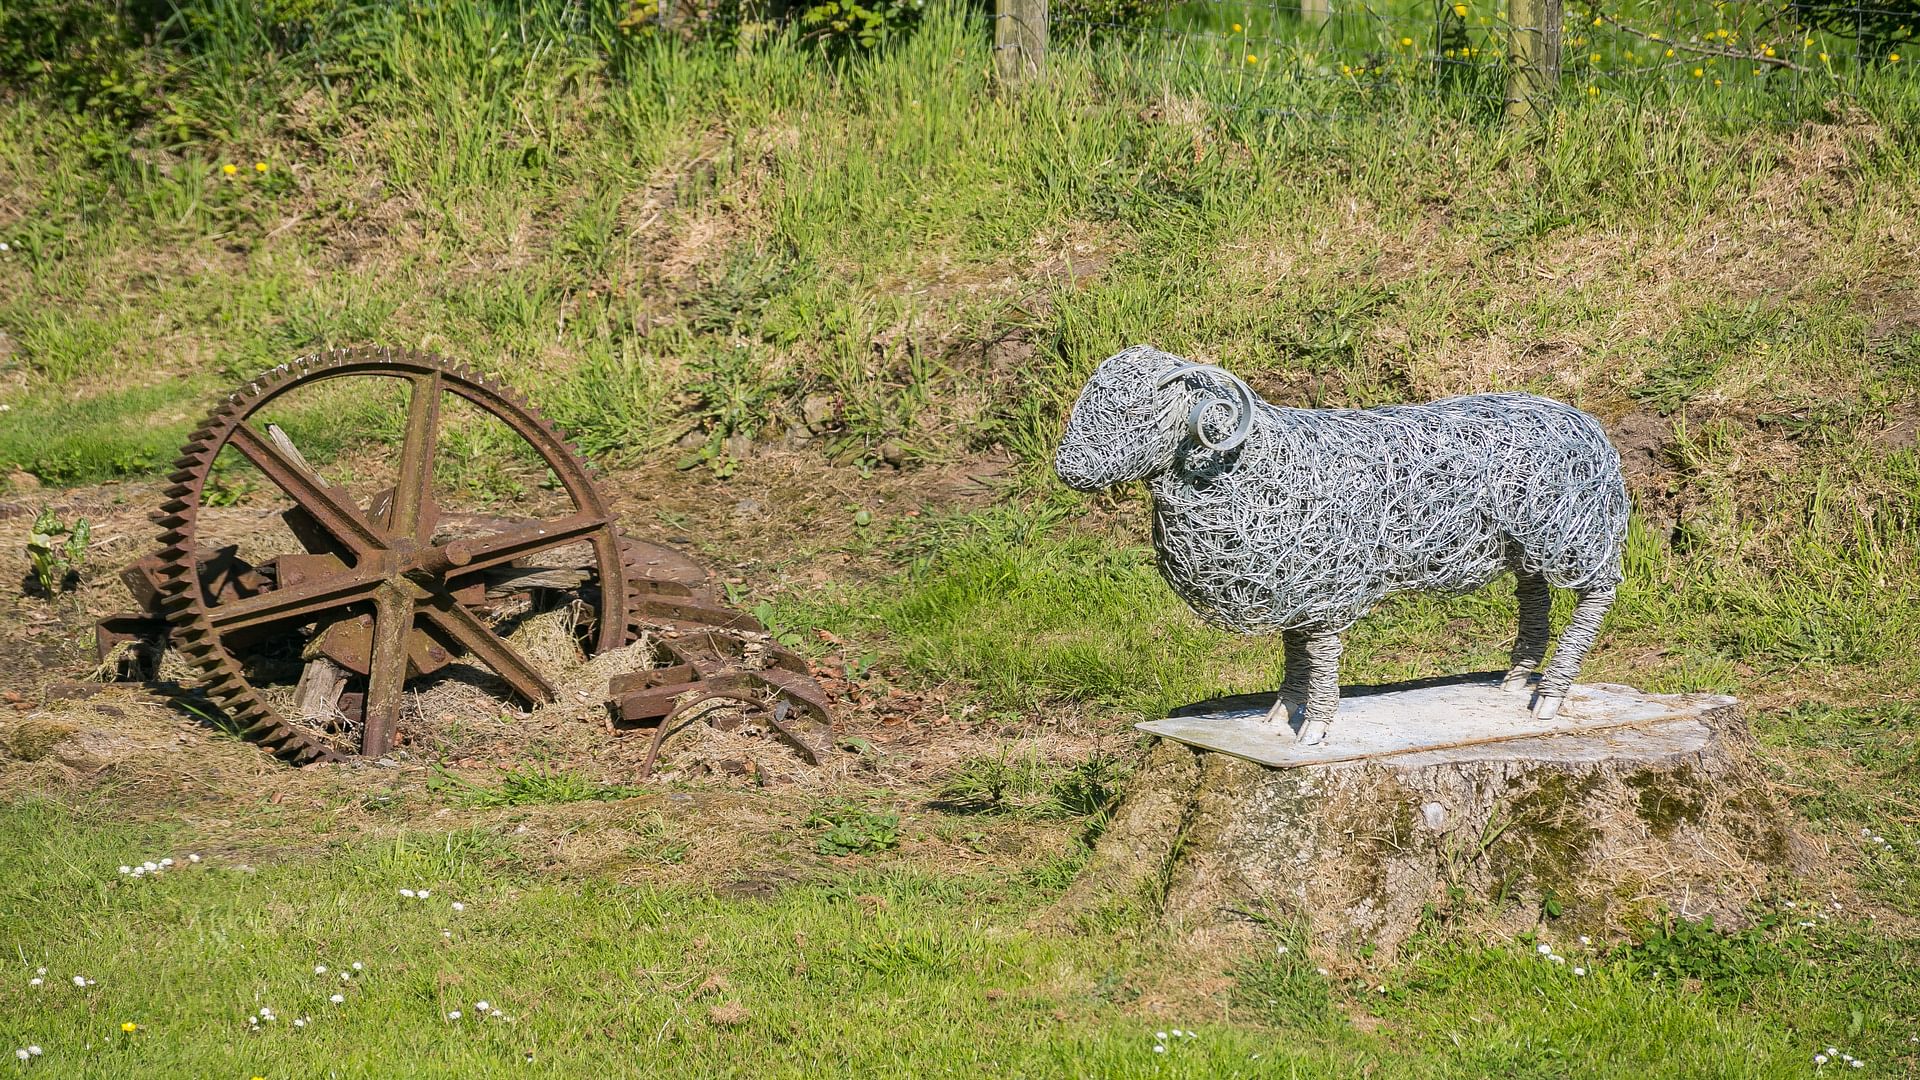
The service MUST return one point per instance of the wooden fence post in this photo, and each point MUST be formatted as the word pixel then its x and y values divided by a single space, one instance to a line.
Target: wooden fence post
pixel 1534 60
pixel 1019 39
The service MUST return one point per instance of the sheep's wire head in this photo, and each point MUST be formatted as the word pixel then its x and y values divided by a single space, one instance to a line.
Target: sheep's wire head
pixel 1139 409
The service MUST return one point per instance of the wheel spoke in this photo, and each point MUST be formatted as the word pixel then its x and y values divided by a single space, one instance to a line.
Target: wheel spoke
pixel 327 593
pixel 392 631
pixel 326 505
pixel 478 638
pixel 526 539
pixel 412 490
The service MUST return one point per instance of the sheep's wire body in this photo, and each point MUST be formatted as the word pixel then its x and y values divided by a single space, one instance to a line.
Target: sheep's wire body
pixel 1304 519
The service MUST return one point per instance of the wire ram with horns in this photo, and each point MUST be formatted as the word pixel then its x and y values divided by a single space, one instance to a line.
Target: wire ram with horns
pixel 1298 521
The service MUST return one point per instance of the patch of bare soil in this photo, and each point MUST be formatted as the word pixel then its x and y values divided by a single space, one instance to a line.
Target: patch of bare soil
pixel 728 800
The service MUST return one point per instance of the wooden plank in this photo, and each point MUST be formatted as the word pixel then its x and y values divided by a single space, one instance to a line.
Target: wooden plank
pixel 1466 715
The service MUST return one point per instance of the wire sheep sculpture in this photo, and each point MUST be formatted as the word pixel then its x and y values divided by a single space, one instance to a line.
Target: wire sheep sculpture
pixel 1298 521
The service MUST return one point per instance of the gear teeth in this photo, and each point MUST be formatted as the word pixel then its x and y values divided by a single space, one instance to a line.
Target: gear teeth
pixel 182 600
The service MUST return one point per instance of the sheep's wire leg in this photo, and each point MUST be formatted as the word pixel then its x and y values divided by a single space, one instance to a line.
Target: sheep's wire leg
pixel 1574 643
pixel 1530 641
pixel 1294 690
pixel 1323 686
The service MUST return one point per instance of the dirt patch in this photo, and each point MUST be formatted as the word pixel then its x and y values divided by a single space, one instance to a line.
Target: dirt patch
pixel 1642 438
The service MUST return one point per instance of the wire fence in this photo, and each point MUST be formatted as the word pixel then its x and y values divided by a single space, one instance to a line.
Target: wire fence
pixel 1332 57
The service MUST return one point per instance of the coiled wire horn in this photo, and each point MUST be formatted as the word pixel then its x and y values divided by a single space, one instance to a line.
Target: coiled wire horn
pixel 1243 424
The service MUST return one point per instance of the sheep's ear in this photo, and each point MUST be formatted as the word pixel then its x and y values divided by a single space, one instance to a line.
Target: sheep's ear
pixel 1241 403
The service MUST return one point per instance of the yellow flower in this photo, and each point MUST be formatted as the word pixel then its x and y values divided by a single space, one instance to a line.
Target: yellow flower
pixel 1716 82
pixel 1769 50
pixel 1345 70
pixel 1236 28
pixel 1756 71
pixel 1823 58
pixel 1698 72
pixel 1593 90
pixel 1598 21
pixel 1809 41
pixel 259 166
pixel 229 169
pixel 1252 59
pixel 1893 58
pixel 1669 54
pixel 1595 58
pixel 1460 10
pixel 1449 54
pixel 1405 41
pixel 129 1027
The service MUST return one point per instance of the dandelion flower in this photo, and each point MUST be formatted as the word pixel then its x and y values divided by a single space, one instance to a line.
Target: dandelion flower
pixel 1824 58
pixel 1716 82
pixel 1405 41
pixel 1598 21
pixel 1460 10
pixel 1594 59
pixel 259 166
pixel 1768 50
pixel 1892 58
pixel 1593 91
pixel 129 1027
pixel 229 169
pixel 1669 54
pixel 1699 73
pixel 1236 28
pixel 1251 59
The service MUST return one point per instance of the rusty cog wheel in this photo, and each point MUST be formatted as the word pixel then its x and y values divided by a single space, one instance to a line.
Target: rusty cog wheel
pixel 410 588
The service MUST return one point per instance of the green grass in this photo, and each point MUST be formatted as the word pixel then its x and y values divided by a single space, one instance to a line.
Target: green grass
pixel 661 238
pixel 881 972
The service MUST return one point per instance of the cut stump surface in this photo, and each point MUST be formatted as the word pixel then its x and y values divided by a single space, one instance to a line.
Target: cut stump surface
pixel 1444 795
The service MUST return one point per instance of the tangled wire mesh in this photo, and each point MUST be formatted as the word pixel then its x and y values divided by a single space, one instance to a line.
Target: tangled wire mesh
pixel 1273 519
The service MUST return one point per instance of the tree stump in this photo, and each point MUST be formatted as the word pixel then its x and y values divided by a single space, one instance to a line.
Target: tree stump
pixel 1626 805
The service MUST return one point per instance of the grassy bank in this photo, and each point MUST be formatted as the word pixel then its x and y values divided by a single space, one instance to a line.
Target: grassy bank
pixel 717 256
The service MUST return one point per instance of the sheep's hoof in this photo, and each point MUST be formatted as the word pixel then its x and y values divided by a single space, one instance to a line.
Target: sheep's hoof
pixel 1515 681
pixel 1313 732
pixel 1546 708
